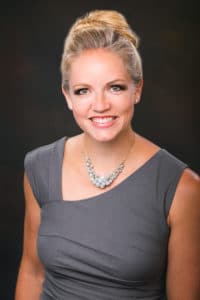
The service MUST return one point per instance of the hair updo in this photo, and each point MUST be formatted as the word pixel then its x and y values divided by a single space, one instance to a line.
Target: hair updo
pixel 102 29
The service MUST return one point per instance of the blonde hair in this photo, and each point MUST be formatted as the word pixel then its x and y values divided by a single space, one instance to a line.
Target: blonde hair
pixel 102 29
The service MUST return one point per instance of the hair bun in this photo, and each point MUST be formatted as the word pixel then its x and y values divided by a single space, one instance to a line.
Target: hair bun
pixel 107 29
pixel 109 18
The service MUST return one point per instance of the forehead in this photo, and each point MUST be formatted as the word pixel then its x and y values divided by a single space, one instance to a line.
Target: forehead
pixel 93 63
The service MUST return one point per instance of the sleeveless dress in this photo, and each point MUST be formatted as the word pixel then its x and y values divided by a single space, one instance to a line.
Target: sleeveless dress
pixel 108 247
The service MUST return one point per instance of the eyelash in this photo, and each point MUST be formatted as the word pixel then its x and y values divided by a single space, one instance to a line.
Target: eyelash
pixel 79 91
pixel 119 87
pixel 114 87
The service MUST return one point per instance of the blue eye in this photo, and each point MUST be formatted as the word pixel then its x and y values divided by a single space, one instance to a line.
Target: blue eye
pixel 118 87
pixel 81 91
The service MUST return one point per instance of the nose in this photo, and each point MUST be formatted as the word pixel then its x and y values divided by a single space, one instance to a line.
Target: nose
pixel 100 103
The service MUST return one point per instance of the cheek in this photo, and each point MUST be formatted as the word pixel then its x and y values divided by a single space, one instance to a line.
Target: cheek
pixel 79 114
pixel 128 111
pixel 79 109
pixel 130 114
pixel 80 105
pixel 127 106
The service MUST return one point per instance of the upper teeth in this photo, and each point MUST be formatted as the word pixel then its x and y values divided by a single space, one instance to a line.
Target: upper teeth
pixel 102 120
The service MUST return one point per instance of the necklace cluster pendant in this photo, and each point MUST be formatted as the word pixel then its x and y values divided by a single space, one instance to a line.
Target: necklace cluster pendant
pixel 102 181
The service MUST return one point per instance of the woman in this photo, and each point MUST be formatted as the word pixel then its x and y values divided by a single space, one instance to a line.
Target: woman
pixel 109 215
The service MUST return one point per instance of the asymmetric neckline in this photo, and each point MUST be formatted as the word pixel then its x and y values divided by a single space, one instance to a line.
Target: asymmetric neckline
pixel 61 147
pixel 114 243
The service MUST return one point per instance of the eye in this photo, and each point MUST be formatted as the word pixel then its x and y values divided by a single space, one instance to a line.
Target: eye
pixel 81 91
pixel 118 87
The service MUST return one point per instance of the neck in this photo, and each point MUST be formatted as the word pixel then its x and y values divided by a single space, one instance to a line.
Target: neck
pixel 106 155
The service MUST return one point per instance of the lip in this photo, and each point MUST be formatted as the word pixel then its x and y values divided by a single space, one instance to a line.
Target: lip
pixel 103 121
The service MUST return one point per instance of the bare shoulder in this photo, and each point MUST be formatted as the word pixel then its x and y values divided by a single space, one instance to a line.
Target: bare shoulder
pixel 187 196
pixel 183 270
pixel 145 147
pixel 73 143
pixel 189 184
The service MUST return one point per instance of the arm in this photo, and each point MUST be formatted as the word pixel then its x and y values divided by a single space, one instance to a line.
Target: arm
pixel 183 272
pixel 31 272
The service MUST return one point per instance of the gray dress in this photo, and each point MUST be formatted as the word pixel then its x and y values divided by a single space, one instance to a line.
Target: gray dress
pixel 108 247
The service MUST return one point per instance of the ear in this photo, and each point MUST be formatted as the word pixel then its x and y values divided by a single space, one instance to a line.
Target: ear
pixel 67 98
pixel 138 91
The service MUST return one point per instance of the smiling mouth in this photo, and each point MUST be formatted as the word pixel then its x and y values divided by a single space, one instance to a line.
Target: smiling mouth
pixel 102 120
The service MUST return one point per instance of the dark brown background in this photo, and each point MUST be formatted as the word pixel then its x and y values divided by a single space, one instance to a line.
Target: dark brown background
pixel 33 110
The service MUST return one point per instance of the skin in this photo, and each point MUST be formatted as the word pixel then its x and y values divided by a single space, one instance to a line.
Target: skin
pixel 31 272
pixel 104 111
pixel 183 273
pixel 105 90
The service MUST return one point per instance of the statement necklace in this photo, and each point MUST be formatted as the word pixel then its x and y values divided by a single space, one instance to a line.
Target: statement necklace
pixel 101 181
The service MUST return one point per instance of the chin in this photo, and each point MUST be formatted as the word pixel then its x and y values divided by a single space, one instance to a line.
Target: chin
pixel 105 137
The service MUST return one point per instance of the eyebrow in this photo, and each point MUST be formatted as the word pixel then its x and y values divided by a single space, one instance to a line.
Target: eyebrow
pixel 117 80
pixel 107 83
pixel 80 84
